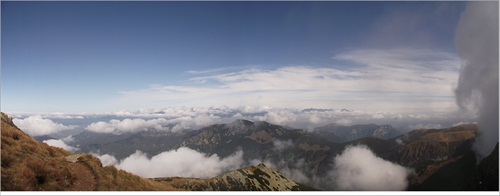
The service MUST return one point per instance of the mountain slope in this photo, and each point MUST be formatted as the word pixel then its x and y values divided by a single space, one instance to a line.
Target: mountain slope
pixel 151 142
pixel 265 142
pixel 217 138
pixel 464 174
pixel 339 133
pixel 29 165
pixel 429 150
pixel 253 178
pixel 425 146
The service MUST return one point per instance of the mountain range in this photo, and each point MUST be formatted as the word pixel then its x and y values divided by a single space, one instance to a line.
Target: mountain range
pixel 440 159
pixel 340 133
pixel 30 165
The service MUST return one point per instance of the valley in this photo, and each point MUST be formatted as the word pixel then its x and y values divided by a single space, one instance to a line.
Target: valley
pixel 295 158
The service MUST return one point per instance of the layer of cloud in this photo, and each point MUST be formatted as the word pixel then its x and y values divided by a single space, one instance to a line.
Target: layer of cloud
pixel 59 115
pixel 193 118
pixel 384 80
pixel 126 125
pixel 36 125
pixel 183 162
pixel 477 90
pixel 358 168
pixel 61 144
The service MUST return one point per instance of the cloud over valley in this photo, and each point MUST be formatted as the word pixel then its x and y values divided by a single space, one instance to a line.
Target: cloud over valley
pixel 183 162
pixel 358 168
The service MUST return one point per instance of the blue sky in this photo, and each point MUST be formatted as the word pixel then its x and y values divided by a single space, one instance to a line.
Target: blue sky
pixel 108 56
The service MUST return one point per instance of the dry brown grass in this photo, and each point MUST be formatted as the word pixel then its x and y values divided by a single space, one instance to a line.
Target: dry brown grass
pixel 29 165
pixel 448 137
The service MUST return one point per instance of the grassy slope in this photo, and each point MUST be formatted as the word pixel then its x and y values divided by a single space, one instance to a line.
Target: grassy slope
pixel 29 165
pixel 253 178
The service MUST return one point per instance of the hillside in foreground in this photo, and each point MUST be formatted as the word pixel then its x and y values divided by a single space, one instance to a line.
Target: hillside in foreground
pixel 253 178
pixel 30 165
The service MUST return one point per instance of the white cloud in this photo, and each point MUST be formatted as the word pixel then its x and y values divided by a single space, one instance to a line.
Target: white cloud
pixel 383 80
pixel 477 89
pixel 358 168
pixel 60 115
pixel 282 144
pixel 106 159
pixel 68 139
pixel 61 144
pixel 177 122
pixel 36 125
pixel 126 125
pixel 193 118
pixel 296 172
pixel 183 162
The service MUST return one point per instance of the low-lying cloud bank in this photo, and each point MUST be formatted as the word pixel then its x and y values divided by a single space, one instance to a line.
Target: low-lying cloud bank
pixel 192 118
pixel 62 143
pixel 358 168
pixel 175 119
pixel 182 162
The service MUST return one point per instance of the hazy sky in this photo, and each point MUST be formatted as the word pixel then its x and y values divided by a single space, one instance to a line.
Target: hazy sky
pixel 110 56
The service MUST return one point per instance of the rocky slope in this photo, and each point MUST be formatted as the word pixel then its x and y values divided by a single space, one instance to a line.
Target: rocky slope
pixel 428 150
pixel 253 178
pixel 434 145
pixel 464 174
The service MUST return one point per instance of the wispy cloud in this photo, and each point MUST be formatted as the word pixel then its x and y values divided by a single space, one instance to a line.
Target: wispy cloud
pixel 380 80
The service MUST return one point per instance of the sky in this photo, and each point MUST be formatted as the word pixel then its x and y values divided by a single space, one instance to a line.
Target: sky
pixel 95 57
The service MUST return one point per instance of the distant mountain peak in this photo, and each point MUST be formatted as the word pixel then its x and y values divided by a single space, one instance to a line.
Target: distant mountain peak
pixel 242 122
